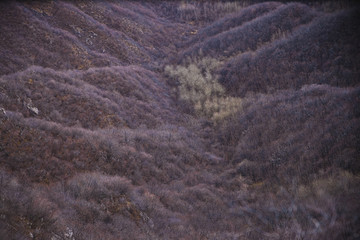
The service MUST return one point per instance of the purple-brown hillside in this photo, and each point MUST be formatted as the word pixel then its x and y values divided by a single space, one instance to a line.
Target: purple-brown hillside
pixel 294 134
pixel 64 35
pixel 251 33
pixel 97 143
pixel 325 51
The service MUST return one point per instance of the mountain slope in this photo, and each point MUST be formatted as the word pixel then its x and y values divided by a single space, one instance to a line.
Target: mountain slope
pixel 63 35
pixel 252 33
pixel 179 120
pixel 322 52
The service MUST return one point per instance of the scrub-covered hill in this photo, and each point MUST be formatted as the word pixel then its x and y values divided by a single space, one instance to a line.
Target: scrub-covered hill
pixel 179 120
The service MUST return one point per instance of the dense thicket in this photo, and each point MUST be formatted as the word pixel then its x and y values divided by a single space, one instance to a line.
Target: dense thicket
pixel 179 120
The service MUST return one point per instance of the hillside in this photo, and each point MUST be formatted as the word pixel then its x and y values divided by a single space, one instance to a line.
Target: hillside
pixel 321 52
pixel 179 120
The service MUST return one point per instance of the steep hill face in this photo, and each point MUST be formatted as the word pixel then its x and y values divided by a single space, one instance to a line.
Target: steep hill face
pixel 179 120
pixel 322 52
pixel 243 33
pixel 63 35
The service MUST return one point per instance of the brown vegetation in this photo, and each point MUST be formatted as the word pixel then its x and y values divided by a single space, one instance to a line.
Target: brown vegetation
pixel 179 120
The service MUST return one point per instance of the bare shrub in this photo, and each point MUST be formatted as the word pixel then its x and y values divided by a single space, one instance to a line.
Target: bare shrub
pixel 201 12
pixel 94 186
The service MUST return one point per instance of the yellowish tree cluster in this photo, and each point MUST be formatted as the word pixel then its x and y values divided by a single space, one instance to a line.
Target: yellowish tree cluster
pixel 199 86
